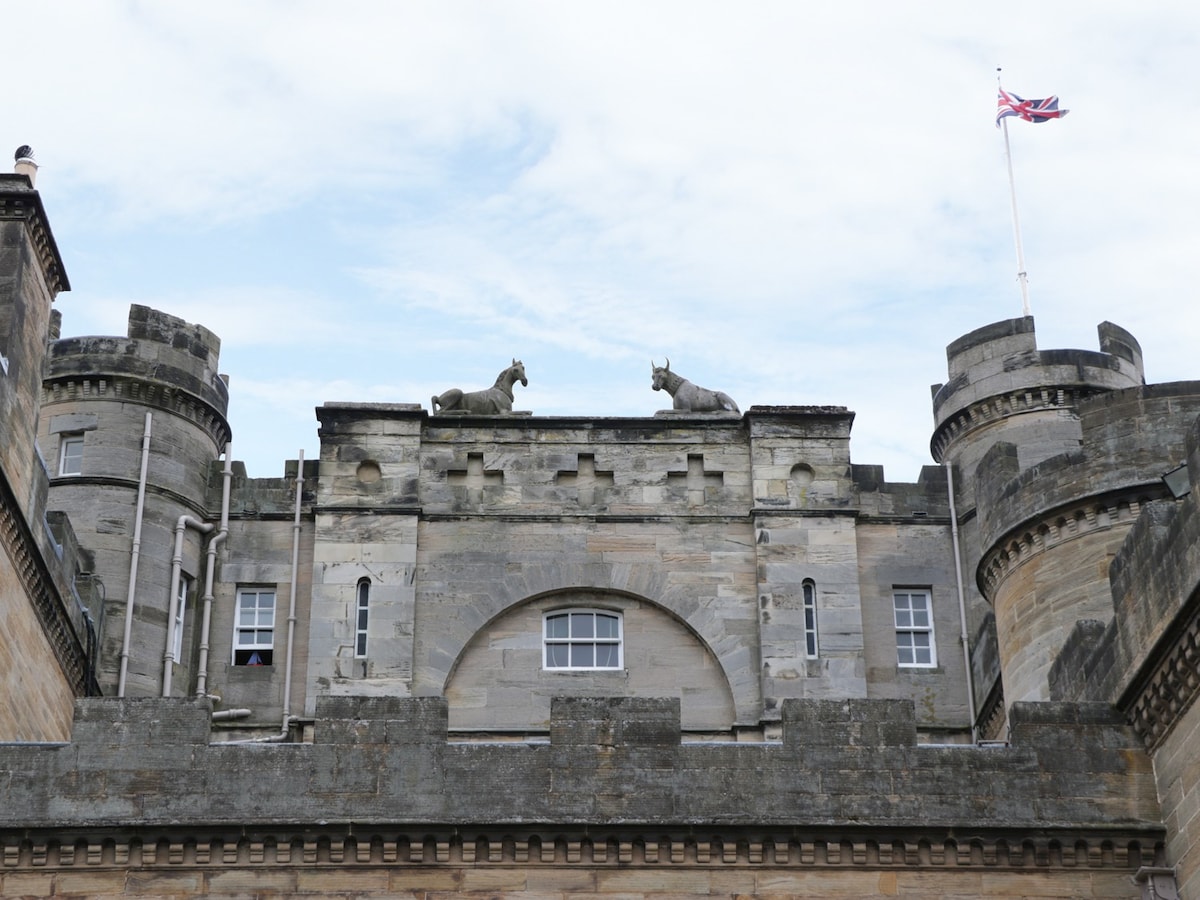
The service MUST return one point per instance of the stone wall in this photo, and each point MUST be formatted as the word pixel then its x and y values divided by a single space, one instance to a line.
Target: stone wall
pixel 1145 658
pixel 845 802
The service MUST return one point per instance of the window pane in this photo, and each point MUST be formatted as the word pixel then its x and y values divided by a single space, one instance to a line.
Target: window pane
pixel 905 655
pixel 556 626
pixel 360 646
pixel 923 656
pixel 582 625
pixel 362 619
pixel 920 618
pixel 582 656
pixel 556 656
pixel 606 626
pixel 606 656
pixel 246 617
pixel 903 618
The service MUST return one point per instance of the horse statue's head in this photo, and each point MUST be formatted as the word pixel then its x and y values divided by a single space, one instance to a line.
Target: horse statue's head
pixel 659 375
pixel 517 370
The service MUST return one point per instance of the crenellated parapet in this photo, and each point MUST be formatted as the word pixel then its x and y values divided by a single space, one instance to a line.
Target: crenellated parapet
pixel 381 797
pixel 997 373
pixel 608 760
pixel 163 364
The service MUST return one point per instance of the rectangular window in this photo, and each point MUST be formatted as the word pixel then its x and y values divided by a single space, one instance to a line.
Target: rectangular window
pixel 914 629
pixel 361 618
pixel 583 639
pixel 254 631
pixel 810 619
pixel 185 585
pixel 70 454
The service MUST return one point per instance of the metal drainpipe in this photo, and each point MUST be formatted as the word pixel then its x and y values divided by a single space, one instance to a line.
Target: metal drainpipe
pixel 222 533
pixel 133 561
pixel 291 632
pixel 962 602
pixel 173 607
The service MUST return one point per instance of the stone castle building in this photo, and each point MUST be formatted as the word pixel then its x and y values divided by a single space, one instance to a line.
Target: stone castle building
pixel 510 655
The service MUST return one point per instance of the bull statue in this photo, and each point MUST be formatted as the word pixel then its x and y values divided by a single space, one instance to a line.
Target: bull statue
pixel 495 401
pixel 686 396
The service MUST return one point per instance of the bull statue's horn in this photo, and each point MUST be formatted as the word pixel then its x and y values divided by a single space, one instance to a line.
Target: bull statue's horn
pixel 668 365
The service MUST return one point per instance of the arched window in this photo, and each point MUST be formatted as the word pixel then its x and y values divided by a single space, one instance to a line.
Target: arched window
pixel 582 639
pixel 809 588
pixel 361 615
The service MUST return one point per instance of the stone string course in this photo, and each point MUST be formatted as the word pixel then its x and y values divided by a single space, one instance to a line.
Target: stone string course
pixel 993 409
pixel 1054 528
pixel 160 396
pixel 356 846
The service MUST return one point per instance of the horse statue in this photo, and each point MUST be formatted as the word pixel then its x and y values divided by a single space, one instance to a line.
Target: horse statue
pixel 688 397
pixel 495 401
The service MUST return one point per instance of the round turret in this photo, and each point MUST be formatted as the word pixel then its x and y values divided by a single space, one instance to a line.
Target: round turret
pixel 1054 452
pixel 97 393
pixel 1002 388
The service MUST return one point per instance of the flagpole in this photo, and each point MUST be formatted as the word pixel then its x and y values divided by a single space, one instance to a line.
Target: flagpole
pixel 1022 275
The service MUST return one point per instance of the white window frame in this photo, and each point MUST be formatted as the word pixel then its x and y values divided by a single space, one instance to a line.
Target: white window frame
pixel 912 612
pixel 66 444
pixel 581 640
pixel 362 614
pixel 808 589
pixel 185 586
pixel 255 621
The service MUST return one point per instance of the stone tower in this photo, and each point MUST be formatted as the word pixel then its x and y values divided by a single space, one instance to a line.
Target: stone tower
pixel 1054 452
pixel 101 397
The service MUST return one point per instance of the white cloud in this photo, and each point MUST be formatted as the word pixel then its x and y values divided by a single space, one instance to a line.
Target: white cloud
pixel 796 202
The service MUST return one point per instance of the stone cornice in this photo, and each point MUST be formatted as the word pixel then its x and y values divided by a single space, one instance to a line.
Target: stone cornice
pixel 1171 688
pixel 357 847
pixel 25 203
pixel 21 547
pixel 997 408
pixel 1054 527
pixel 155 395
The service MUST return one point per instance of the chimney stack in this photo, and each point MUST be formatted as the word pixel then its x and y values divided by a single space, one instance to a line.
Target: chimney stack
pixel 25 164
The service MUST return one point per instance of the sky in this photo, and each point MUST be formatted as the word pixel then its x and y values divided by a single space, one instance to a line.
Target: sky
pixel 796 202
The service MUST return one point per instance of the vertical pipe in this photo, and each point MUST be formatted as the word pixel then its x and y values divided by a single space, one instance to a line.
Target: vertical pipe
pixel 173 605
pixel 210 565
pixel 962 602
pixel 133 561
pixel 291 632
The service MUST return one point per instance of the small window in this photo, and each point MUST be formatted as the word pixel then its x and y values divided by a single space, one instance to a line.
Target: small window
pixel 914 629
pixel 254 633
pixel 361 615
pixel 809 588
pixel 185 585
pixel 70 455
pixel 582 639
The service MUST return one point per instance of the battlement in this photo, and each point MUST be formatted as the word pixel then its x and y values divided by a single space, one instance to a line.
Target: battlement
pixel 608 761
pixel 163 361
pixel 997 372
pixel 1130 439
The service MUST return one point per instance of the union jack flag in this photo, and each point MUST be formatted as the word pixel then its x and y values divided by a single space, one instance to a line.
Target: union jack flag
pixel 1030 110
